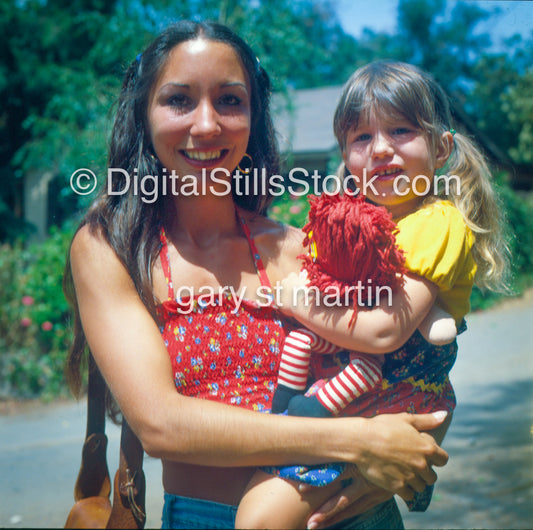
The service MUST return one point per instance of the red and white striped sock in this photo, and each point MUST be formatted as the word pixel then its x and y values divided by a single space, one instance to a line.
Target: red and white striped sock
pixel 362 374
pixel 296 354
pixel 294 362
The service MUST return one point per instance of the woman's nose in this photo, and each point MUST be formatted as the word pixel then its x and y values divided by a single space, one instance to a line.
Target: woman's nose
pixel 205 119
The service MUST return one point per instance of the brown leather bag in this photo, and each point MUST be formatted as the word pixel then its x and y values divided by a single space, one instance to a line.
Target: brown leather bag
pixel 93 508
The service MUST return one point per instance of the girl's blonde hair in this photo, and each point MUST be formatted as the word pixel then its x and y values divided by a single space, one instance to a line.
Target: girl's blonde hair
pixel 400 90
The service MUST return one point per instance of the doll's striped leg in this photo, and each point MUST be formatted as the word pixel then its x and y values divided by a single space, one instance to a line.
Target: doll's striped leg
pixel 362 374
pixel 294 365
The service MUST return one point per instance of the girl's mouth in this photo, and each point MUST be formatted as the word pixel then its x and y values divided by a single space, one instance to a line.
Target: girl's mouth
pixel 387 173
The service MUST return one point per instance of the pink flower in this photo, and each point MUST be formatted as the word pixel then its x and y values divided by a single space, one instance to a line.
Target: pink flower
pixel 295 208
pixel 27 300
pixel 25 322
pixel 47 326
pixel 276 209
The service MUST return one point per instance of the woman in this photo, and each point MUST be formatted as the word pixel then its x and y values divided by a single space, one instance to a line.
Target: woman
pixel 193 109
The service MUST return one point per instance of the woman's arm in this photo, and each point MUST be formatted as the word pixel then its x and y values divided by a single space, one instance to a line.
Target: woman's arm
pixel 379 330
pixel 359 495
pixel 128 348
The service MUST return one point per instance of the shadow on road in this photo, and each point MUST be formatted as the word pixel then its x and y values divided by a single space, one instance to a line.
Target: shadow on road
pixel 489 479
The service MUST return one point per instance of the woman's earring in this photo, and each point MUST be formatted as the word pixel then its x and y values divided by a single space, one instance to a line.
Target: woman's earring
pixel 152 156
pixel 247 162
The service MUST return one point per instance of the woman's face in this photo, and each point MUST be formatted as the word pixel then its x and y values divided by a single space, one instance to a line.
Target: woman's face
pixel 199 112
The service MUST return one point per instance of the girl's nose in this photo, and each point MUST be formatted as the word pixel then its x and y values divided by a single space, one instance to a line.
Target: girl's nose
pixel 205 120
pixel 382 145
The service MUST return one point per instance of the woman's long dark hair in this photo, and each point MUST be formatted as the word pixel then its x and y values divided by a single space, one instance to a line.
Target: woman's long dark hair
pixel 131 226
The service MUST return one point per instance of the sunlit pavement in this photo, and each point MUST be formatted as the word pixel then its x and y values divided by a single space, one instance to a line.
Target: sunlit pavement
pixel 488 482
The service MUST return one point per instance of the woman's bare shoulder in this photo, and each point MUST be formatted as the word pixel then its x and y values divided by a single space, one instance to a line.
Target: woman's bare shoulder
pixel 89 244
pixel 276 233
pixel 93 259
pixel 279 244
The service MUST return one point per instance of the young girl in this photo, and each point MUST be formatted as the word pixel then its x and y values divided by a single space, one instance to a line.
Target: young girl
pixel 395 131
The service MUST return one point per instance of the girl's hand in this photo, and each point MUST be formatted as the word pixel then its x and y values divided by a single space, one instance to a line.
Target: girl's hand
pixel 357 496
pixel 293 293
pixel 399 459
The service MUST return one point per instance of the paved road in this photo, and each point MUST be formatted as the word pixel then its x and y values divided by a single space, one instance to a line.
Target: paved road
pixel 40 453
pixel 487 484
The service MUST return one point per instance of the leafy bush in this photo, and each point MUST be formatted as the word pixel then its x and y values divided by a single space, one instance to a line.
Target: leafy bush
pixel 518 208
pixel 34 327
pixel 290 209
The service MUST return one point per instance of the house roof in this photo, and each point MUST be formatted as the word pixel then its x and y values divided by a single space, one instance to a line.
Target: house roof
pixel 304 123
pixel 304 119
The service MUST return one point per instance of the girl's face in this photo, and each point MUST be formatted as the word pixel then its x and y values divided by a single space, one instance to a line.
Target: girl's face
pixel 387 155
pixel 199 110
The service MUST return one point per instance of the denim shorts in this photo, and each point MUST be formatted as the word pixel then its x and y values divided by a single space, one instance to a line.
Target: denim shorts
pixel 183 512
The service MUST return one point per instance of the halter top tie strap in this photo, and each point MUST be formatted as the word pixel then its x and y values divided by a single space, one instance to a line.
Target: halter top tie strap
pixel 256 257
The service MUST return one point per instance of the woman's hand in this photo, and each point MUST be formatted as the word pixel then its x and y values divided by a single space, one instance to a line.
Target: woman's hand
pixel 357 496
pixel 399 458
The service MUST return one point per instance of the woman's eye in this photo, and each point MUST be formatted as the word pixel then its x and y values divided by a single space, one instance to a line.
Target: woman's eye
pixel 178 100
pixel 230 99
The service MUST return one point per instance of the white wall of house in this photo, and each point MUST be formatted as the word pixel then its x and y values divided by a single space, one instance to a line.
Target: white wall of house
pixel 36 201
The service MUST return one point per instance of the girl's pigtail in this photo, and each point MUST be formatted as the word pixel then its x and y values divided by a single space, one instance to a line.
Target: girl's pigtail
pixel 474 196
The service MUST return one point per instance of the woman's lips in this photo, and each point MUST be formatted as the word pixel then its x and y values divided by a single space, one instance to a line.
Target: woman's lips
pixel 204 158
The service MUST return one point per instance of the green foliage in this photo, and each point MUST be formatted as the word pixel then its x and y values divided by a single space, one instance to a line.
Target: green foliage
pixel 518 105
pixel 60 71
pixel 518 208
pixel 519 212
pixel 290 209
pixel 34 327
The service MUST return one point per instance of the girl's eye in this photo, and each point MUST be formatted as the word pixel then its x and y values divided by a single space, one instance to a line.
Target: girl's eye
pixel 362 137
pixel 401 130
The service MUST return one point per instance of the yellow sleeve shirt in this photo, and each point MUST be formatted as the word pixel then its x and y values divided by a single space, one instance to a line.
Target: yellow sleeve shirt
pixel 437 245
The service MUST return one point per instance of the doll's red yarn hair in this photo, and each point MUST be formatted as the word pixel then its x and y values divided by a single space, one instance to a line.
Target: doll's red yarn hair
pixel 355 242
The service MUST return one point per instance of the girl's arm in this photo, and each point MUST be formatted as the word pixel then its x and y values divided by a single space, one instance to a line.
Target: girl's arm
pixel 438 327
pixel 128 348
pixel 381 329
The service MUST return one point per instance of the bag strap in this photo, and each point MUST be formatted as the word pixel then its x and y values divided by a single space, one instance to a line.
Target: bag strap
pixel 93 478
pixel 128 509
pixel 129 487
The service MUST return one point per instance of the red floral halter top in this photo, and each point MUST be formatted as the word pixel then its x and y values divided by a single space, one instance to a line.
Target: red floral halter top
pixel 222 350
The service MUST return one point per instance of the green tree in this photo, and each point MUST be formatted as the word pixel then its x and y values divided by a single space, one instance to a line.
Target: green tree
pixel 489 88
pixel 61 69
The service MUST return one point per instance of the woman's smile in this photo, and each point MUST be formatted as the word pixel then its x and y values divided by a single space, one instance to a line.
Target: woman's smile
pixel 204 158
